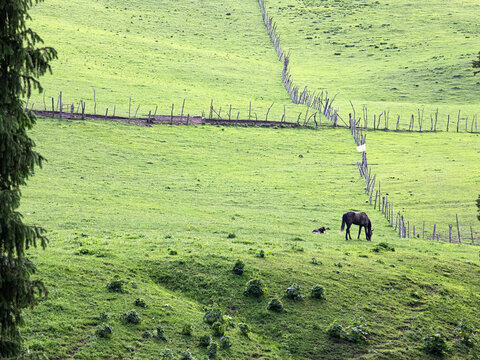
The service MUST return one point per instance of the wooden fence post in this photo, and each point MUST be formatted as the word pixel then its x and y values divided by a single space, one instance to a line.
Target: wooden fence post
pixel 450 226
pixel 61 104
pixel 95 101
pixel 458 229
pixel 433 236
pixel 183 105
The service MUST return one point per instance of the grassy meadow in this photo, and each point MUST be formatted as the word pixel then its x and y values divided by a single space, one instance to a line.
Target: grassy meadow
pixel 168 210
pixel 159 53
pixel 396 56
pixel 431 177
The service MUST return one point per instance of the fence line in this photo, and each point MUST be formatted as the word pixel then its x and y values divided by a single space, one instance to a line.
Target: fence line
pixel 386 206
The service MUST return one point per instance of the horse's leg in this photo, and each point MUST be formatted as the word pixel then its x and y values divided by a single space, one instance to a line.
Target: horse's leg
pixel 360 230
pixel 348 231
pixel 366 237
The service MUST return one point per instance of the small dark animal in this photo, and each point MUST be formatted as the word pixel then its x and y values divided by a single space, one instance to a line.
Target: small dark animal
pixel 320 230
pixel 360 219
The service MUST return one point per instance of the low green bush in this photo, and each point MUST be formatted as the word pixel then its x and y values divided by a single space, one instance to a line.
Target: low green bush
pixel 187 330
pixel 186 356
pixel 465 332
pixel 116 286
pixel 204 340
pixel 225 342
pixel 254 288
pixel 293 292
pixel 260 254
pixel 167 354
pixel 212 350
pixel 383 246
pixel 356 332
pixel 336 331
pixel 275 305
pixel 104 331
pixel 244 329
pixel 131 317
pixel 239 267
pixel 318 292
pixel 160 334
pixel 435 344
pixel 212 315
pixel 218 329
pixel 140 303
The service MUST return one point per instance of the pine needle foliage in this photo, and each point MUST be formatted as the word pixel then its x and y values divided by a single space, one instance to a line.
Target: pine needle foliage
pixel 21 64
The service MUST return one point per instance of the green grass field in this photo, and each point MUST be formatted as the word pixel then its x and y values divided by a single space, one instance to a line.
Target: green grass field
pixel 398 56
pixel 159 53
pixel 170 209
pixel 118 199
pixel 431 177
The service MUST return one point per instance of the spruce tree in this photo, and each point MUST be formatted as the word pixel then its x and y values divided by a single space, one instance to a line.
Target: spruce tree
pixel 22 62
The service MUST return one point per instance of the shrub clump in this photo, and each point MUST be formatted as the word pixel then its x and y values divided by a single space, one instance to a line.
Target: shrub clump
pixel 383 246
pixel 244 329
pixel 187 330
pixel 186 356
pixel 254 288
pixel 465 332
pixel 116 286
pixel 318 292
pixel 231 236
pixel 434 344
pixel 275 305
pixel 239 267
pixel 147 334
pixel 168 354
pixel 225 342
pixel 160 334
pixel 140 303
pixel 204 340
pixel 293 292
pixel 228 321
pixel 218 329
pixel 260 254
pixel 336 331
pixel 131 317
pixel 212 350
pixel 316 262
pixel 356 332
pixel 212 315
pixel 102 317
pixel 104 331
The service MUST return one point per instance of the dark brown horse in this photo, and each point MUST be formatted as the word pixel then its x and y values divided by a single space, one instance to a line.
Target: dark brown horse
pixel 360 219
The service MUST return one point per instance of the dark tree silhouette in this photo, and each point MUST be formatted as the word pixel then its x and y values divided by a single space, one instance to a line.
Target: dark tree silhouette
pixel 476 65
pixel 478 205
pixel 21 63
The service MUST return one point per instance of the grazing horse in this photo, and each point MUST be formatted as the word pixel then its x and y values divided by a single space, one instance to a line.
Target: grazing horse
pixel 360 219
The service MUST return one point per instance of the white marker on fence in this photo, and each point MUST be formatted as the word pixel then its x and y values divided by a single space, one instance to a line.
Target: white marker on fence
pixel 362 148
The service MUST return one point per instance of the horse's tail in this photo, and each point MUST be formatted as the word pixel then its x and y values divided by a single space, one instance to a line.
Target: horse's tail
pixel 343 223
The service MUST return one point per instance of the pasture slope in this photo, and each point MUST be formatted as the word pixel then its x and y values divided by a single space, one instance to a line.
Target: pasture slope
pixel 169 210
pixel 159 53
pixel 396 56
